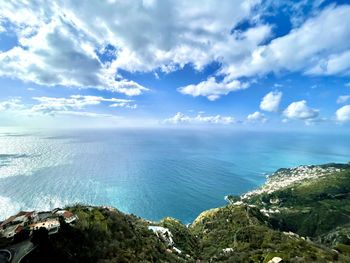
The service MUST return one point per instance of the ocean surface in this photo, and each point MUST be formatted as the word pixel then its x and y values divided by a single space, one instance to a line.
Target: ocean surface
pixel 150 173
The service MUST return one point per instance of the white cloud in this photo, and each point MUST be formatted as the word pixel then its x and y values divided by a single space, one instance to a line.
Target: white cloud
pixel 343 114
pixel 63 106
pixel 212 89
pixel 49 105
pixel 300 110
pixel 336 64
pixel 304 49
pixel 271 101
pixel 123 105
pixel 60 41
pixel 56 55
pixel 181 118
pixel 342 99
pixel 256 117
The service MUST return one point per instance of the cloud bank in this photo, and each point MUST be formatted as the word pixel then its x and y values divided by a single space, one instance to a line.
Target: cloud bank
pixel 85 44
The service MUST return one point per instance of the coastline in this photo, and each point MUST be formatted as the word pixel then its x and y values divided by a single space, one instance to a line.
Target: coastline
pixel 288 217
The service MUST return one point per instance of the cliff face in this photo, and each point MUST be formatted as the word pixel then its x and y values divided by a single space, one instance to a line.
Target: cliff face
pixel 299 215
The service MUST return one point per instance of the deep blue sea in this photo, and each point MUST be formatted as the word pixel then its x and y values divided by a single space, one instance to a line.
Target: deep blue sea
pixel 151 173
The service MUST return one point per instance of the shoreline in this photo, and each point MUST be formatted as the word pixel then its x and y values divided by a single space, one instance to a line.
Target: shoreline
pixel 289 215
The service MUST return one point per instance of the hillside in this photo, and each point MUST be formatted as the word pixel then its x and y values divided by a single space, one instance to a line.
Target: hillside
pixel 300 215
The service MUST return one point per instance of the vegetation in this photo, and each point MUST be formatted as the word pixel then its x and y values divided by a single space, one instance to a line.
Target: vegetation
pixel 101 235
pixel 310 208
pixel 246 232
pixel 183 238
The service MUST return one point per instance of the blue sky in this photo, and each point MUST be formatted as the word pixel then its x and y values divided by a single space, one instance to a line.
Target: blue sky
pixel 243 64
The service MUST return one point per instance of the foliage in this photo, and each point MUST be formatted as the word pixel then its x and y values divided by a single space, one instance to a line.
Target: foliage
pixel 183 239
pixel 246 231
pixel 101 235
pixel 310 208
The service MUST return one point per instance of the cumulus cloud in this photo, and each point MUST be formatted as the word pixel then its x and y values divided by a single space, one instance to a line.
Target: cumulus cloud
pixel 343 114
pixel 64 43
pixel 342 99
pixel 271 101
pixel 181 118
pixel 304 49
pixel 300 110
pixel 256 117
pixel 58 55
pixel 212 89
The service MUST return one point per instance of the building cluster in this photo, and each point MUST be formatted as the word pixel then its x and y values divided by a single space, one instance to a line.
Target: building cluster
pixel 31 221
pixel 288 176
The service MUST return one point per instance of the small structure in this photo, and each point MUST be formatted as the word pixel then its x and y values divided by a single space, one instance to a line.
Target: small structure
pixel 166 237
pixel 164 234
pixel 228 250
pixel 68 216
pixel 276 260
pixel 52 225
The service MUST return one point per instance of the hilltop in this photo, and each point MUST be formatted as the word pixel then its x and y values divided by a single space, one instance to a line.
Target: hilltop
pixel 300 214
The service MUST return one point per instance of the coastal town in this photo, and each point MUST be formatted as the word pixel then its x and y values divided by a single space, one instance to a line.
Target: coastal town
pixel 282 179
pixel 17 230
pixel 286 177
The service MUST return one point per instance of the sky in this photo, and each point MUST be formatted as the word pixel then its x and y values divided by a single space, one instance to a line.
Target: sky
pixel 175 63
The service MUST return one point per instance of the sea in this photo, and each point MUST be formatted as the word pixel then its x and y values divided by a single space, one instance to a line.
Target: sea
pixel 152 173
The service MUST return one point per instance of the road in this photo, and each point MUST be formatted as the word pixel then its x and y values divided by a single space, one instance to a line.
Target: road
pixel 20 250
pixel 5 256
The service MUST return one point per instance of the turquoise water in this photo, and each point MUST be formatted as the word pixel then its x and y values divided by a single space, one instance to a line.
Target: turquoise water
pixel 151 173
